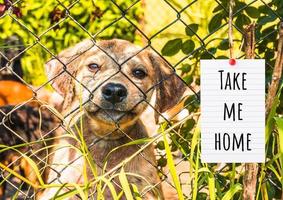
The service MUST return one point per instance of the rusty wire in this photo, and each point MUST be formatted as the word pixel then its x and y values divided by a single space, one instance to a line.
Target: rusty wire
pixel 28 193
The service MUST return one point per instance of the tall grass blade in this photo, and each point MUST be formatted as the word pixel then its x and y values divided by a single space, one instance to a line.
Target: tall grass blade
pixel 270 119
pixel 279 123
pixel 171 165
pixel 125 185
pixel 232 191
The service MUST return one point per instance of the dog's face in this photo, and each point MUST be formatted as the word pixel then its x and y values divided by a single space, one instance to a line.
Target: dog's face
pixel 115 80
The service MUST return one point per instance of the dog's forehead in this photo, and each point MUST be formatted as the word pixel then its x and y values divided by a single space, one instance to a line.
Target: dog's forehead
pixel 118 46
pixel 115 50
pixel 122 50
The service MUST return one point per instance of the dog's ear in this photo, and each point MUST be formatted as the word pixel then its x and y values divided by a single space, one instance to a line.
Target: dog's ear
pixel 59 72
pixel 65 67
pixel 62 69
pixel 169 87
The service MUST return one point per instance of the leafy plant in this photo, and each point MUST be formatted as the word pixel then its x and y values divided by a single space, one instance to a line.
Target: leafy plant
pixel 213 44
pixel 47 27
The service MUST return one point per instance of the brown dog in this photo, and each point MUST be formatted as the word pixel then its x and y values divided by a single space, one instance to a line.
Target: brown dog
pixel 113 81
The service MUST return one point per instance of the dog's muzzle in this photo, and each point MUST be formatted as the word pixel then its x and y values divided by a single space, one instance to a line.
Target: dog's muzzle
pixel 114 92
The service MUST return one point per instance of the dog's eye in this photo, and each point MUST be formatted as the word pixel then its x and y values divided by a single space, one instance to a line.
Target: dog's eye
pixel 139 73
pixel 93 67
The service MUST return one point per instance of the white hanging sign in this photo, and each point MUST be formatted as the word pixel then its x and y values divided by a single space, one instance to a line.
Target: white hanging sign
pixel 232 111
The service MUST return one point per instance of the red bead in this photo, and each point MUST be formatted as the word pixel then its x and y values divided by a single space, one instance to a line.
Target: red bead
pixel 232 61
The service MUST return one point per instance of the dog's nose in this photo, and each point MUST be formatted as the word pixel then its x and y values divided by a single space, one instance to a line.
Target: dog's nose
pixel 114 92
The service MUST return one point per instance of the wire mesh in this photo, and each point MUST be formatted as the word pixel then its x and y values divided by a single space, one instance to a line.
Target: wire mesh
pixel 31 128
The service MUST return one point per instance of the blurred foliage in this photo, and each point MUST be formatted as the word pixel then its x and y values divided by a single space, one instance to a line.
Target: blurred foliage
pixel 207 41
pixel 215 45
pixel 50 26
pixel 45 26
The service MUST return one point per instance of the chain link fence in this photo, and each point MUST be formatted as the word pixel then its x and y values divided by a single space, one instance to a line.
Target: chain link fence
pixel 180 33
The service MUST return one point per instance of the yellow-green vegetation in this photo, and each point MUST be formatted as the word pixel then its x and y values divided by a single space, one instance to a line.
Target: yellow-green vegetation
pixel 47 27
pixel 202 33
pixel 183 31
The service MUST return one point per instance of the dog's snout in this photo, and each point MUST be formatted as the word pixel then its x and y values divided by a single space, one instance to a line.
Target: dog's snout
pixel 114 92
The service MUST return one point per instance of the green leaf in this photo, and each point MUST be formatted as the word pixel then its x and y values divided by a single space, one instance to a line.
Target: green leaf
pixel 185 68
pixel 239 5
pixel 188 46
pixel 266 19
pixel 262 9
pixel 222 57
pixel 190 124
pixel 217 8
pixel 206 55
pixel 162 162
pixel 269 54
pixel 224 45
pixel 191 29
pixel 242 20
pixel 201 196
pixel 136 193
pixel 279 124
pixel 125 185
pixel 134 142
pixel 215 22
pixel 278 3
pixel 211 186
pixel 171 165
pixel 195 141
pixel 172 47
pixel 270 118
pixel 188 79
pixel 252 12
pixel 232 191
pixel 197 81
pixel 160 145
pixel 280 11
pixel 212 50
pixel 210 180
pixel 195 166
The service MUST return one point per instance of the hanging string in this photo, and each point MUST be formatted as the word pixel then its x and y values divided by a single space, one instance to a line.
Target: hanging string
pixel 230 32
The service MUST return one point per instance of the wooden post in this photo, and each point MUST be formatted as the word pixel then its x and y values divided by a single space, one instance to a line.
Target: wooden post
pixel 276 76
pixel 277 73
pixel 251 169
